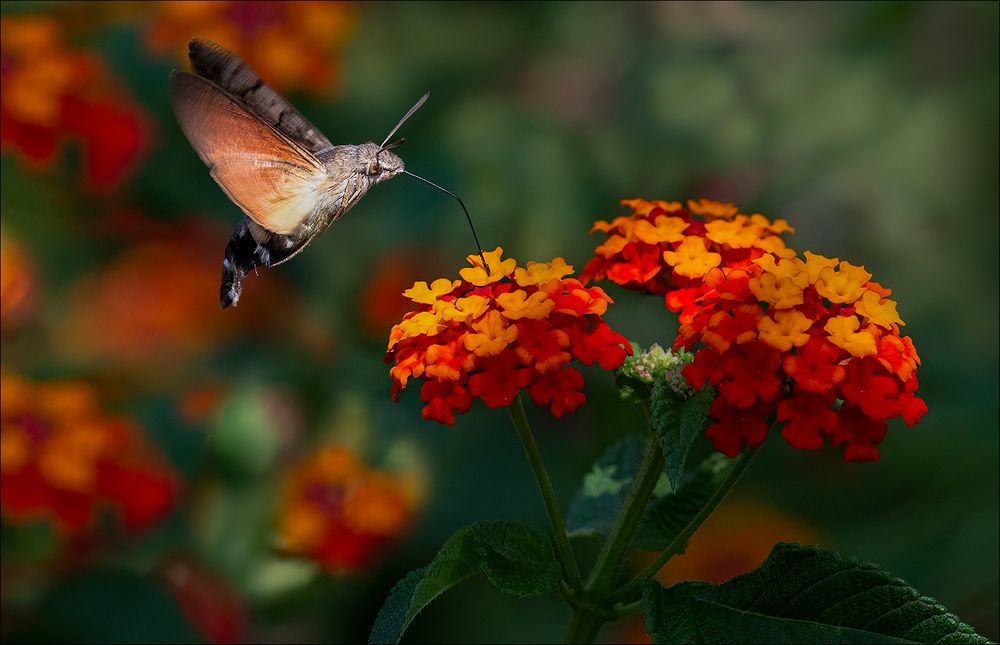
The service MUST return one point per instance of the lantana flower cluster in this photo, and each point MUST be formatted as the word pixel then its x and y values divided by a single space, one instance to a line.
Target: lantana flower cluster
pixel 339 512
pixel 65 459
pixel 812 340
pixel 500 329
pixel 52 93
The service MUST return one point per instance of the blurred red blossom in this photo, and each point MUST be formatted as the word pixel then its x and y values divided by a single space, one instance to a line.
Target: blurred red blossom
pixel 17 281
pixel 291 45
pixel 64 458
pixel 156 303
pixel 341 513
pixel 51 93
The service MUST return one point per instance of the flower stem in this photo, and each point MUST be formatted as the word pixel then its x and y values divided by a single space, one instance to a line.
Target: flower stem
pixel 615 547
pixel 563 548
pixel 584 626
pixel 682 538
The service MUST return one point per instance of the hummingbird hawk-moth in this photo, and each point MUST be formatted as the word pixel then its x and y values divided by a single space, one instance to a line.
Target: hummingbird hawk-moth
pixel 287 178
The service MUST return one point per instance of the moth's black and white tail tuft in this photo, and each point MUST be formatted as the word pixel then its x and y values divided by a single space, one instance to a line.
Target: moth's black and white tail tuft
pixel 240 258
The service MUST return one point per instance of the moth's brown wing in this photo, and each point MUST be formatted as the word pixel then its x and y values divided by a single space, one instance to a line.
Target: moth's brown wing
pixel 273 180
pixel 229 72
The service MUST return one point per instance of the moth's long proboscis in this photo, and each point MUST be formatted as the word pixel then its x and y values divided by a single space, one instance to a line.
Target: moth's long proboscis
pixel 479 246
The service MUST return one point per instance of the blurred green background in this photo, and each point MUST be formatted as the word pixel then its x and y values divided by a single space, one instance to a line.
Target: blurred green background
pixel 871 127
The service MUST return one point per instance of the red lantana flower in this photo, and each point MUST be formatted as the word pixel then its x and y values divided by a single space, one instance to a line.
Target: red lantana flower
pixel 812 341
pixel 499 330
pixel 64 459
pixel 340 513
pixel 52 94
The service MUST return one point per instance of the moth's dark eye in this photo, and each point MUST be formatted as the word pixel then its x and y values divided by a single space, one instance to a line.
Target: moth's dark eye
pixel 374 168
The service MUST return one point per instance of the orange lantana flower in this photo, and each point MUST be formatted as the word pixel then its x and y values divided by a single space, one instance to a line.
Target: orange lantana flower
pixel 65 459
pixel 500 330
pixel 339 512
pixel 779 334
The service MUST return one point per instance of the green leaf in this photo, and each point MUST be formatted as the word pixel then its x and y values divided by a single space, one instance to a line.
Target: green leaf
pixel 598 500
pixel 666 517
pixel 801 595
pixel 677 422
pixel 518 560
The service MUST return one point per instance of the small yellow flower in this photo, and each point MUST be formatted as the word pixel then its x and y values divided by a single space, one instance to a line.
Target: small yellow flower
pixel 843 286
pixel 877 312
pixel 423 294
pixel 621 222
pixel 692 258
pixel 815 264
pixel 735 233
pixel 843 332
pixel 518 304
pixel 781 294
pixel 612 246
pixel 492 337
pixel 463 309
pixel 537 273
pixel 786 329
pixel 778 226
pixel 665 229
pixel 712 210
pixel 478 276
pixel 424 322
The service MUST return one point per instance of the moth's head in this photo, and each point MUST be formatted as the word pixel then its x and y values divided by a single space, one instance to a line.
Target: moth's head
pixel 378 164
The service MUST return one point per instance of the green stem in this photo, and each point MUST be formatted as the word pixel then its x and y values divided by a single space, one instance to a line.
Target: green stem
pixel 584 624
pixel 682 538
pixel 615 547
pixel 563 547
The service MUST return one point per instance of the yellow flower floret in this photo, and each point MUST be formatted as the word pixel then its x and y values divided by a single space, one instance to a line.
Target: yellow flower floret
pixel 492 335
pixel 692 258
pixel 711 209
pixel 780 293
pixel 479 277
pixel 463 309
pixel 665 229
pixel 843 286
pixel 880 313
pixel 815 264
pixel 518 304
pixel 425 322
pixel 542 272
pixel 423 294
pixel 784 330
pixel 843 332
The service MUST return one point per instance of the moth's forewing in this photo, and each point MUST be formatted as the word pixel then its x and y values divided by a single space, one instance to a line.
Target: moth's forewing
pixel 271 178
pixel 233 76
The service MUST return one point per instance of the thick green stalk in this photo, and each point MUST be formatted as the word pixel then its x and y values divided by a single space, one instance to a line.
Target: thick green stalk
pixel 584 625
pixel 563 548
pixel 679 542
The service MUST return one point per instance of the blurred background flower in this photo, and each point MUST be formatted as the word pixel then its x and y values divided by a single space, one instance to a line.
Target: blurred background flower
pixel 17 282
pixel 294 45
pixel 53 93
pixel 339 513
pixel 64 459
pixel 870 127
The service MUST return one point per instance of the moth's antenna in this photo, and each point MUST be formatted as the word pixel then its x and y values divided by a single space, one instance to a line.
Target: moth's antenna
pixel 482 256
pixel 416 106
